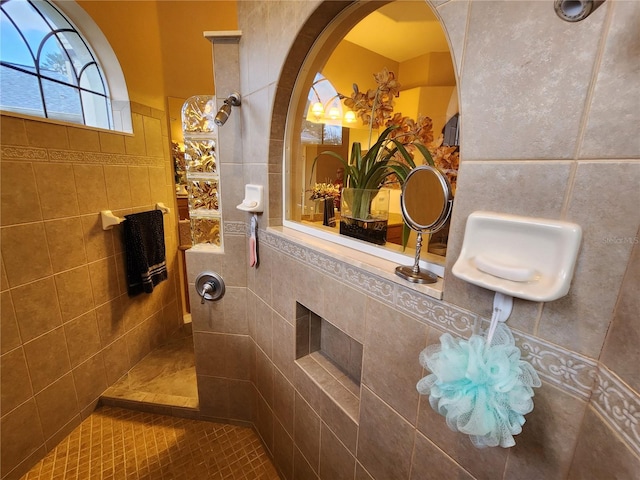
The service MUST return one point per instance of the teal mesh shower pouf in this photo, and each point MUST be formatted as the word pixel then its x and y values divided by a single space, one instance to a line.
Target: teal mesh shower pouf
pixel 483 390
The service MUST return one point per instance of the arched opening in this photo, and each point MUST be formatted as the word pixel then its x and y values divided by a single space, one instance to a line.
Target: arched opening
pixel 355 44
pixel 57 54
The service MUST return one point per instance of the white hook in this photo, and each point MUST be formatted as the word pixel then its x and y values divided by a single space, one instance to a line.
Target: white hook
pixel 502 306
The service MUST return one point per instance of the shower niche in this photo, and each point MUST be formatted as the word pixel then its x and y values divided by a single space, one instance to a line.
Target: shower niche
pixel 329 357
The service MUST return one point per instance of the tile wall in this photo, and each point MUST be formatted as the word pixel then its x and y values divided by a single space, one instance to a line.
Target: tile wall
pixel 540 99
pixel 69 330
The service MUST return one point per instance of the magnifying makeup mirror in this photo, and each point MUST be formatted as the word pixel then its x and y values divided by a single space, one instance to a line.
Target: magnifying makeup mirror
pixel 426 203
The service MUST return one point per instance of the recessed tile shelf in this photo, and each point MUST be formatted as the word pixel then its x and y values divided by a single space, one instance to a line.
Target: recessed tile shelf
pixel 331 358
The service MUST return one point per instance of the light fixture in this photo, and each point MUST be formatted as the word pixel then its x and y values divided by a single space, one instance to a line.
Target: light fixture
pixel 334 113
pixel 350 117
pixel 318 110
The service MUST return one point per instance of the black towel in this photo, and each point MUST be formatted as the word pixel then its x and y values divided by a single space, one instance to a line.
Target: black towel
pixel 144 250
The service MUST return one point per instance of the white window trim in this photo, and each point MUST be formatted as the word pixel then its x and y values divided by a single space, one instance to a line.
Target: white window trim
pixel 117 86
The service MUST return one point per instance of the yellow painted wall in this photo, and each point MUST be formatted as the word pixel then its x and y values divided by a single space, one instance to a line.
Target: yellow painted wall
pixel 160 44
pixel 132 29
pixel 350 63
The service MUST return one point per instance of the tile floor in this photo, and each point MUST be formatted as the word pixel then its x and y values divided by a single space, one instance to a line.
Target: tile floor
pixel 119 444
pixel 144 442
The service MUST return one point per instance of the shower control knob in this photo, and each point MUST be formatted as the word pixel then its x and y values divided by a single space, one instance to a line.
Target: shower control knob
pixel 210 286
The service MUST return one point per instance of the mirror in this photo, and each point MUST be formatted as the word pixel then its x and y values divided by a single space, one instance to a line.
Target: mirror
pixel 425 202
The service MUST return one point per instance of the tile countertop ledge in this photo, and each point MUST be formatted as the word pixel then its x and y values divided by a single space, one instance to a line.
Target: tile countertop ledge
pixel 364 261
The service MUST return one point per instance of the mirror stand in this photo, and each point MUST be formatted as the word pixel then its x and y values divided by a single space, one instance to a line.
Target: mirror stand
pixel 414 274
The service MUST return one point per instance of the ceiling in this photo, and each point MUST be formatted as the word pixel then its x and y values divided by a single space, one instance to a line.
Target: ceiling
pixel 400 30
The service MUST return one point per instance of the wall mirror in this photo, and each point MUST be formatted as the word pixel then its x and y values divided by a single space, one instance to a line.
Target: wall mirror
pixel 327 115
pixel 425 203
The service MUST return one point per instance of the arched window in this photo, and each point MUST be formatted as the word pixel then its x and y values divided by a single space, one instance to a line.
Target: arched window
pixel 48 69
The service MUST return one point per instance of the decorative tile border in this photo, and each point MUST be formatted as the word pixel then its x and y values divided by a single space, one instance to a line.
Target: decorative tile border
pixel 574 373
pixel 235 228
pixel 24 153
pixel 72 156
pixel 620 405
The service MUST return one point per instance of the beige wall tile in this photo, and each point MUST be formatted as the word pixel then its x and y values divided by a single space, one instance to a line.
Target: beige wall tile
pixel 104 280
pixel 57 405
pixel 336 461
pixel 110 320
pixel 234 261
pixel 238 352
pixel 118 186
pixel 345 307
pixel 609 220
pixel 546 446
pixel 9 333
pixel 158 185
pixel 210 354
pixel 135 144
pixel 4 281
pixel 390 363
pixel 283 401
pixel 112 142
pixel 242 400
pixel 13 131
pixel 213 395
pixel 137 343
pixel 21 435
pixel 264 376
pixel 16 384
pixel 621 353
pixel 116 360
pixel 57 190
pixel 430 462
pixel 454 16
pixel 522 58
pixel 282 450
pixel 98 243
pixel 284 277
pixel 90 380
pixel 264 422
pixel 140 189
pixel 301 468
pixel 307 432
pixel 36 308
pixel 91 188
pixel 600 453
pixel 44 134
pixel 65 240
pixel 20 201
pixel 24 245
pixel 83 338
pixel 154 141
pixel 83 139
pixel 614 98
pixel 47 358
pixel 481 463
pixel 74 292
pixel 388 455
pixel 264 331
pixel 283 345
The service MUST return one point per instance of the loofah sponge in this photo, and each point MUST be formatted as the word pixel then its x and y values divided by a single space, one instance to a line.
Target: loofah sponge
pixel 482 390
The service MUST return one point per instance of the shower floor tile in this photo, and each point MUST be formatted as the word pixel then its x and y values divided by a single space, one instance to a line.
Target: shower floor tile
pixel 165 377
pixel 114 443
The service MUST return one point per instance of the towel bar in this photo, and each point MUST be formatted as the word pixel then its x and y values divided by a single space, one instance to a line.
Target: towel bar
pixel 109 219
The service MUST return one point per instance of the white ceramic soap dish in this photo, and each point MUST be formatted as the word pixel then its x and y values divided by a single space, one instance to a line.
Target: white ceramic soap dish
pixel 524 257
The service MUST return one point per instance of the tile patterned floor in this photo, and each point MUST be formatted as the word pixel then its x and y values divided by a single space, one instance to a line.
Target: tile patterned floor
pixel 118 444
